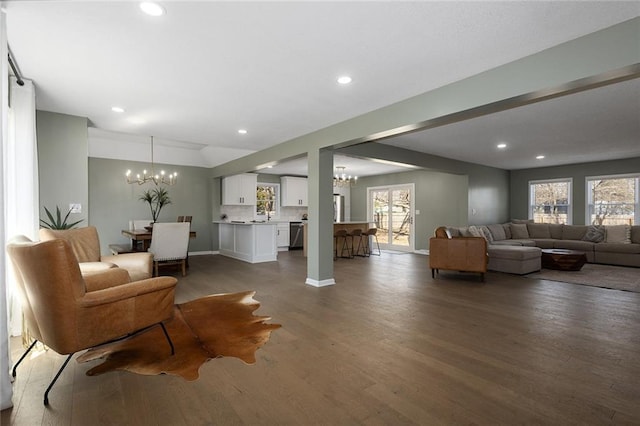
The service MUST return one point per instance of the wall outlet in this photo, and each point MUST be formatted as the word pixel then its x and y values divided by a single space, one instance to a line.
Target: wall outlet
pixel 417 211
pixel 75 207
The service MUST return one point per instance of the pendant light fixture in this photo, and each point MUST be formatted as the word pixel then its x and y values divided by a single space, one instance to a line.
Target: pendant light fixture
pixel 162 178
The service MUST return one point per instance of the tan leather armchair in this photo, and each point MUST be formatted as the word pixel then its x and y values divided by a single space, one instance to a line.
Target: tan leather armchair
pixel 69 312
pixel 465 254
pixel 86 246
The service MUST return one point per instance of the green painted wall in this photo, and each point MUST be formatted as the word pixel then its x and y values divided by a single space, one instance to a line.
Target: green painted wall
pixel 441 198
pixel 488 187
pixel 62 163
pixel 578 172
pixel 113 203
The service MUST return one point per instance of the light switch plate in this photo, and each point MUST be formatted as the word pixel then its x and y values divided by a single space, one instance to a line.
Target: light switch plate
pixel 75 207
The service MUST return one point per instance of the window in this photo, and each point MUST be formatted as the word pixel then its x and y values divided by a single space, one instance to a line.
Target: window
pixel 267 195
pixel 613 200
pixel 550 201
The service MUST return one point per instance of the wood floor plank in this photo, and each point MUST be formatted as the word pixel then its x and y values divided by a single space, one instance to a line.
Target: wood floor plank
pixel 386 345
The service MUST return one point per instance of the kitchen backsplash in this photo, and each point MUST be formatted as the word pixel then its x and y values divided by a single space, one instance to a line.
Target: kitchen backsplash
pixel 247 213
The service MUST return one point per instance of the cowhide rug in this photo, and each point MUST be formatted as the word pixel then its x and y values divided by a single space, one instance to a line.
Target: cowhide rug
pixel 209 327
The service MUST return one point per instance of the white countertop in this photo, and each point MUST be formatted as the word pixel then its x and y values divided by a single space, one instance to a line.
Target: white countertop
pixel 238 222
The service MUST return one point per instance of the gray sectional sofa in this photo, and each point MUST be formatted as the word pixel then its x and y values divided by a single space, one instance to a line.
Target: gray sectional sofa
pixel 613 245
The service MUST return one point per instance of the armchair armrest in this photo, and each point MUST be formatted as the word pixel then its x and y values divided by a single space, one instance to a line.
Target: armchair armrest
pixel 468 254
pixel 139 265
pixel 109 278
pixel 126 291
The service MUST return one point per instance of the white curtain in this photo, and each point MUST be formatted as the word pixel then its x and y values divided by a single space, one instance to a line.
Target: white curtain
pixel 19 201
pixel 6 392
pixel 21 181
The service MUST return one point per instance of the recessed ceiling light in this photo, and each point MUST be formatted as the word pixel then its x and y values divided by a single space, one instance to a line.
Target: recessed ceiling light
pixel 151 8
pixel 345 79
pixel 242 131
pixel 502 145
pixel 539 157
pixel 117 109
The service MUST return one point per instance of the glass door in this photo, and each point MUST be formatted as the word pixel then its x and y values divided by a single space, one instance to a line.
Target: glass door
pixel 391 209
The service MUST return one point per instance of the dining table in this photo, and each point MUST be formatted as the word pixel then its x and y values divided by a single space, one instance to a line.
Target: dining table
pixel 143 236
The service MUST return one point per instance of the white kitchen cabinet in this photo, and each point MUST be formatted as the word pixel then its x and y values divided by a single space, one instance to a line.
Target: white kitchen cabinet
pixel 249 242
pixel 294 191
pixel 239 190
pixel 282 237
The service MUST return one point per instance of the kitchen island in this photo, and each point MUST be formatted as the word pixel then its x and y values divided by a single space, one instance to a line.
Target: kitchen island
pixel 252 242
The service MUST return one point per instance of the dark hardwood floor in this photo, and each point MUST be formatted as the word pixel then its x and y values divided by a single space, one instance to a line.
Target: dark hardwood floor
pixel 386 345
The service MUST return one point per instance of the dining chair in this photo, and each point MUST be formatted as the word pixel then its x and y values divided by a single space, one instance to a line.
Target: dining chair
pixel 170 245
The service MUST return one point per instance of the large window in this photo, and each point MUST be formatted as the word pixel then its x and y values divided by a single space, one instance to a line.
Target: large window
pixel 550 201
pixel 267 200
pixel 613 200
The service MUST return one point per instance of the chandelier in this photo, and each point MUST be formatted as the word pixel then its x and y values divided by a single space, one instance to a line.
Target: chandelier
pixel 342 180
pixel 162 178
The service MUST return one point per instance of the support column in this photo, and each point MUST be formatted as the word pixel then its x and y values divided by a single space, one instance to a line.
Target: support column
pixel 320 224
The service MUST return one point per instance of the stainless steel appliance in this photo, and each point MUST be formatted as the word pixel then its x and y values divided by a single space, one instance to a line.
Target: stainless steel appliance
pixel 296 236
pixel 338 208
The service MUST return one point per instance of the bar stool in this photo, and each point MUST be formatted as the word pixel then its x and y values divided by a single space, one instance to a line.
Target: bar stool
pixel 341 233
pixel 357 233
pixel 371 232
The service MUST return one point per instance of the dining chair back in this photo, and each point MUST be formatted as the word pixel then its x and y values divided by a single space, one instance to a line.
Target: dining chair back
pixel 169 244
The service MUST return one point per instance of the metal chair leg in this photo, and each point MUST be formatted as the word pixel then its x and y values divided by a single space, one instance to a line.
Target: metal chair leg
pixel 173 351
pixel 13 372
pixel 46 393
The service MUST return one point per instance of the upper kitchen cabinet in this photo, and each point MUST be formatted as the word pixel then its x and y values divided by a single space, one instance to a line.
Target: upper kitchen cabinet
pixel 294 191
pixel 239 190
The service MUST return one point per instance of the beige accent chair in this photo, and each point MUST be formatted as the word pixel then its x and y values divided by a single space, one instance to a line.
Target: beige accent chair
pixel 69 312
pixel 86 246
pixel 464 254
pixel 170 244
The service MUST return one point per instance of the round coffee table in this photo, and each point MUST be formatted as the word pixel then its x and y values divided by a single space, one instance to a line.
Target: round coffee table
pixel 564 260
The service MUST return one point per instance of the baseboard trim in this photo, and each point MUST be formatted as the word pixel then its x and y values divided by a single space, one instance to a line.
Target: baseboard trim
pixel 422 251
pixel 321 283
pixel 202 253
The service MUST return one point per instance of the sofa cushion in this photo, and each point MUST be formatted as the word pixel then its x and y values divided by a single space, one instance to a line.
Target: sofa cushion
pixel 574 245
pixel 514 252
pixel 635 234
pixel 507 229
pixel 618 234
pixel 573 232
pixel 555 230
pixel 595 234
pixel 538 230
pixel 519 231
pixel 544 243
pixel 617 248
pixel 497 231
pixel 454 232
pixel 519 221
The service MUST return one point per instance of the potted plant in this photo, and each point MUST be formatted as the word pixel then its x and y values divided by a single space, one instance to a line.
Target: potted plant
pixel 157 198
pixel 58 222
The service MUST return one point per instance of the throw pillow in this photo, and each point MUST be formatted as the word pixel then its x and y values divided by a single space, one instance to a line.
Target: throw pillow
pixel 486 234
pixel 595 234
pixel 519 231
pixel 618 234
pixel 475 231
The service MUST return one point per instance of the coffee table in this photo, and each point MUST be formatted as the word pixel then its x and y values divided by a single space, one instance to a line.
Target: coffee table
pixel 564 260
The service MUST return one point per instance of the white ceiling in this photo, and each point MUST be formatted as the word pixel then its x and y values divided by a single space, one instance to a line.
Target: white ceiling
pixel 206 69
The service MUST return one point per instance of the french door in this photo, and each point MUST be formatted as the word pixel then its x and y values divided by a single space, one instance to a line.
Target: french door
pixel 391 209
